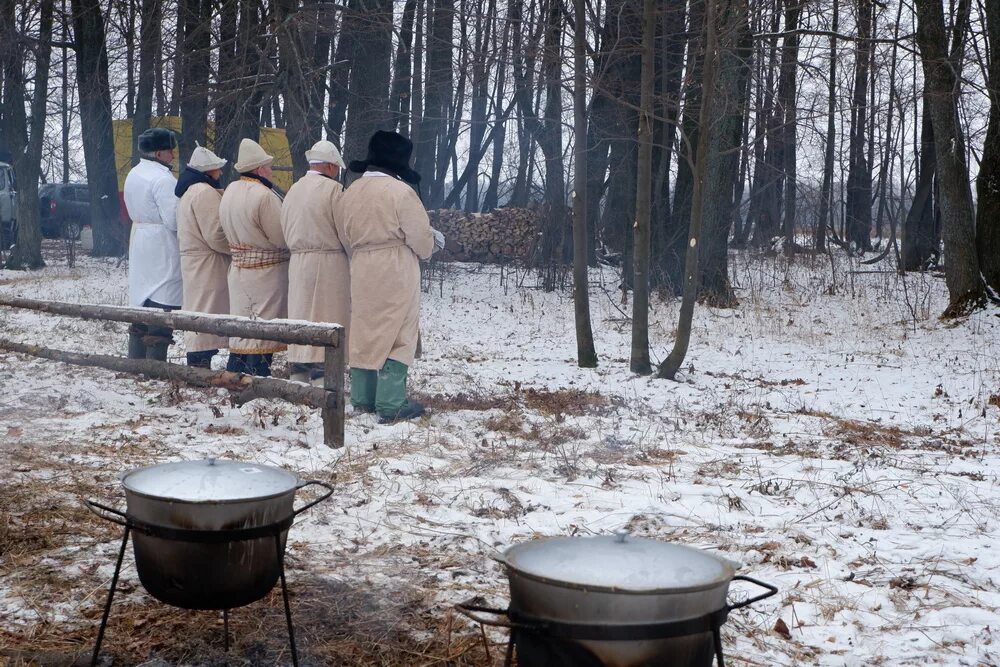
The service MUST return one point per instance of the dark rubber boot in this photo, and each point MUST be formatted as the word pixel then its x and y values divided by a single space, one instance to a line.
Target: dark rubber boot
pixel 202 359
pixel 262 364
pixel 363 383
pixel 156 347
pixel 136 348
pixel 238 363
pixel 391 403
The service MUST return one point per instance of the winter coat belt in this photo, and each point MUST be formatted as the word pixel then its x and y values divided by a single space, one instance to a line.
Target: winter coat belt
pixel 380 246
pixel 303 251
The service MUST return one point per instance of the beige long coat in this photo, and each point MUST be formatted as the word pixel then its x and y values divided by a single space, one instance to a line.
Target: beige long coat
pixel 250 214
pixel 204 261
pixel 386 232
pixel 319 276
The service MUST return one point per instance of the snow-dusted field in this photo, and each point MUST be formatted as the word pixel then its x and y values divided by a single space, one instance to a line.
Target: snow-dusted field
pixel 830 434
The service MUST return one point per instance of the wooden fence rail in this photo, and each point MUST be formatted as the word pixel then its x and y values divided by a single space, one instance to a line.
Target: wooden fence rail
pixel 329 399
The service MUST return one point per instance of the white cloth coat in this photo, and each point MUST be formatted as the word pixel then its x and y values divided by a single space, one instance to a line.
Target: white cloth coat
pixel 204 261
pixel 386 231
pixel 154 257
pixel 319 277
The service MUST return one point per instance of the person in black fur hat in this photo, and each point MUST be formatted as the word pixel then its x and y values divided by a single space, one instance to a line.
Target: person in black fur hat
pixel 385 229
pixel 388 152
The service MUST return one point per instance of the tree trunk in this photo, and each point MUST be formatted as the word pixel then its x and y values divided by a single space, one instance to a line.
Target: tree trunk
pixel 586 355
pixel 491 199
pixel 149 48
pixel 480 95
pixel 726 132
pixel 639 360
pixel 438 88
pixel 95 118
pixel 370 73
pixel 402 78
pixel 665 131
pixel 300 79
pixel 27 252
pixel 340 73
pixel 669 367
pixel 765 196
pixel 787 96
pixel 675 235
pixel 965 285
pixel 859 174
pixel 826 191
pixel 196 22
pixel 988 183
pixel 921 229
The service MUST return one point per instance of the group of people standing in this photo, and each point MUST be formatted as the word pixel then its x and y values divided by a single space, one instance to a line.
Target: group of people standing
pixel 322 253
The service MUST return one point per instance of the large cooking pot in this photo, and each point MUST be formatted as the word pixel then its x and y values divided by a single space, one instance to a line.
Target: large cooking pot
pixel 616 601
pixel 210 534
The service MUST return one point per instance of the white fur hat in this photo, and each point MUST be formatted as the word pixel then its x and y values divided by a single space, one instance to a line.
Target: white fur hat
pixel 325 151
pixel 251 156
pixel 204 160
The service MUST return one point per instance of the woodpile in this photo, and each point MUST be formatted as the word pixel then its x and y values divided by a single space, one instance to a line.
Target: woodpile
pixel 502 235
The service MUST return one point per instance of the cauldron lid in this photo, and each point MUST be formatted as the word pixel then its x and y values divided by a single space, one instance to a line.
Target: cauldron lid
pixel 210 480
pixel 619 563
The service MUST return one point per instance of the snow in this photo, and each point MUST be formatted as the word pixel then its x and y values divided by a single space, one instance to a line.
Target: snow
pixel 830 434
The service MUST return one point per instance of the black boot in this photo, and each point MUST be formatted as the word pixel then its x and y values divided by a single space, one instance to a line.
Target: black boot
pixel 202 359
pixel 156 347
pixel 136 348
pixel 262 365
pixel 238 363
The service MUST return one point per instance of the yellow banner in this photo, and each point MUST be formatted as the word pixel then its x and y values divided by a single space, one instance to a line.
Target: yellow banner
pixel 271 140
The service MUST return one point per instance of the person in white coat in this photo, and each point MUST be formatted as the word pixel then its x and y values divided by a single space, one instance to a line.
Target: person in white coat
pixel 154 259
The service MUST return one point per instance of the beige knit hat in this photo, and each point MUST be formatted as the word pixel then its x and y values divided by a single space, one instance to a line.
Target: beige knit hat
pixel 251 156
pixel 204 160
pixel 325 151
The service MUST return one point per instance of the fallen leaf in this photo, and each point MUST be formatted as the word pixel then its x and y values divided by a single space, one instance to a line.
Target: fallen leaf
pixel 781 628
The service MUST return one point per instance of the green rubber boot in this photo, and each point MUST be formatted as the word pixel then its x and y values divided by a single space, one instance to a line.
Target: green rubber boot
pixel 391 403
pixel 363 383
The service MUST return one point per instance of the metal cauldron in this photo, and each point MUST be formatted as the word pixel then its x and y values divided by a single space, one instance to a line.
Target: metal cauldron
pixel 615 601
pixel 210 534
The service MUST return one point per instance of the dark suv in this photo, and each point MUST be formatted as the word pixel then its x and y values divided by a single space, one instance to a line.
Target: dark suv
pixel 63 209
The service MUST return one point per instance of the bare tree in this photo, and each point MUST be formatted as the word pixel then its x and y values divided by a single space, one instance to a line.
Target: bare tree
pixel 965 285
pixel 95 116
pixel 586 355
pixel 988 183
pixel 639 359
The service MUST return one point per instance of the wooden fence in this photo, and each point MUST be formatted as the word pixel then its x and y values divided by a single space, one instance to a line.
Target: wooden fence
pixel 329 399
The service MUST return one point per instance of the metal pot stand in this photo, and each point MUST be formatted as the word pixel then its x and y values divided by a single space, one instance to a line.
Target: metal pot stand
pixel 274 530
pixel 550 642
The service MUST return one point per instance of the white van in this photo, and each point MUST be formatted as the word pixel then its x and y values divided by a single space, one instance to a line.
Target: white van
pixel 8 206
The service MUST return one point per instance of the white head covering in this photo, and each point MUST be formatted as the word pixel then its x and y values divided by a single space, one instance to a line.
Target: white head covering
pixel 325 151
pixel 204 160
pixel 251 156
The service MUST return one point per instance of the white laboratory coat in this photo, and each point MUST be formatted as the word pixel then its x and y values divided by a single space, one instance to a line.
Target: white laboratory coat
pixel 154 256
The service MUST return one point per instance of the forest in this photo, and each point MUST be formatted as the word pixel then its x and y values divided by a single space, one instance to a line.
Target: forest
pixel 852 126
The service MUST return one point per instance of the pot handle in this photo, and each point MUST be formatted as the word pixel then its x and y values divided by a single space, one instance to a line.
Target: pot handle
pixel 99 509
pixel 771 590
pixel 329 492
pixel 470 612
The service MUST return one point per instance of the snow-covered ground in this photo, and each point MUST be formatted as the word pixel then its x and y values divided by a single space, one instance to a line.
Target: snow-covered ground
pixel 830 434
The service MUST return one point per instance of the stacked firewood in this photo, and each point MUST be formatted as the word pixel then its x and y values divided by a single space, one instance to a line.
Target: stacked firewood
pixel 501 235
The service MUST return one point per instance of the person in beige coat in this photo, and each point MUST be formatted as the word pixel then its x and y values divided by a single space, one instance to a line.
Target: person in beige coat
pixel 204 250
pixel 250 213
pixel 386 231
pixel 319 277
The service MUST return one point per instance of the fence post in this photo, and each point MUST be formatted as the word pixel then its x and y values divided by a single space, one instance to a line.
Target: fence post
pixel 333 380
